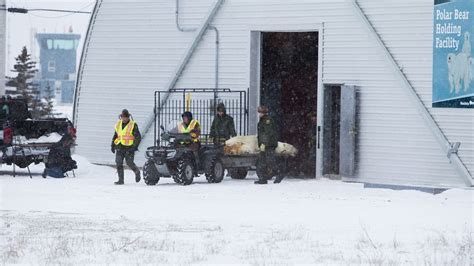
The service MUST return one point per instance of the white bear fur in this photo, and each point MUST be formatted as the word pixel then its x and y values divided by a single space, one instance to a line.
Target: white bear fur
pixel 242 145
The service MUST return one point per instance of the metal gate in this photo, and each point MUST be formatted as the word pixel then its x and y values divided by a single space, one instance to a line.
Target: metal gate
pixel 202 104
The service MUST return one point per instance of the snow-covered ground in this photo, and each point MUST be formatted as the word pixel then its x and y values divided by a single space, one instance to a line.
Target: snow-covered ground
pixel 87 219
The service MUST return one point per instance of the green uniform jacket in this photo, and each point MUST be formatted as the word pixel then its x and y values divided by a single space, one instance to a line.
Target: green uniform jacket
pixel 135 133
pixel 267 132
pixel 223 127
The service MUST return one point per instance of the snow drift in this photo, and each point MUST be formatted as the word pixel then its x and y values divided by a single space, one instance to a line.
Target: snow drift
pixel 46 139
pixel 248 145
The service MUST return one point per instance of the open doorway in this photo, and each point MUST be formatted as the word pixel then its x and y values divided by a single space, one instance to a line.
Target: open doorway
pixel 332 130
pixel 289 87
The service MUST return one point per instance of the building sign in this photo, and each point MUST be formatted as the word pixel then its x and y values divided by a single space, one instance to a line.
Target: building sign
pixel 453 66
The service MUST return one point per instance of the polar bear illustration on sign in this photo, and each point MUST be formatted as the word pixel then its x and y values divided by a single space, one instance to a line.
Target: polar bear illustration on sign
pixel 466 48
pixel 472 69
pixel 460 67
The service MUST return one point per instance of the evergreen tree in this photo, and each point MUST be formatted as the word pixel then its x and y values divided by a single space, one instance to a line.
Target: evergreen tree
pixel 25 87
pixel 48 102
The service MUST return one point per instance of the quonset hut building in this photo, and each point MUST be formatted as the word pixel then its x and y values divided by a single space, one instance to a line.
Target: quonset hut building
pixel 392 107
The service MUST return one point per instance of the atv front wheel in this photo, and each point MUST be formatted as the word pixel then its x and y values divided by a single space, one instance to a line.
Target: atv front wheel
pixel 215 172
pixel 185 172
pixel 150 173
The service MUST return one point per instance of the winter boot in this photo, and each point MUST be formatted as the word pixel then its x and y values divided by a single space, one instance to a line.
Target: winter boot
pixel 261 182
pixel 44 174
pixel 137 175
pixel 120 176
pixel 278 179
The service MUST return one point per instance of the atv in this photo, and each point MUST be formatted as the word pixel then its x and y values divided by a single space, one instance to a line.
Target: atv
pixel 180 159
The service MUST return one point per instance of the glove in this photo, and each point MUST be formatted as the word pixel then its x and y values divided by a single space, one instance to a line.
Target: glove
pixel 112 149
pixel 133 149
pixel 262 147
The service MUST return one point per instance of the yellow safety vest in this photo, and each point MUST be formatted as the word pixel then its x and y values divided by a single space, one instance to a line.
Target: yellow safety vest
pixel 194 124
pixel 125 135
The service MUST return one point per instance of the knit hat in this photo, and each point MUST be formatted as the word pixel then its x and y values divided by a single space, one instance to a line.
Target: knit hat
pixel 221 107
pixel 125 113
pixel 262 109
pixel 189 115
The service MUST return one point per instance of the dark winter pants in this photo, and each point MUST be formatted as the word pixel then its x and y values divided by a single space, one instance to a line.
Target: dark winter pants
pixel 129 156
pixel 268 159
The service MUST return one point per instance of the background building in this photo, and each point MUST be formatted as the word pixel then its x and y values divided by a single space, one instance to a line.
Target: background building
pixel 57 64
pixel 371 87
pixel 3 26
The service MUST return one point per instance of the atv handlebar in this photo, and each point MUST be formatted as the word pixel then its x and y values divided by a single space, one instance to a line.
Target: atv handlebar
pixel 176 136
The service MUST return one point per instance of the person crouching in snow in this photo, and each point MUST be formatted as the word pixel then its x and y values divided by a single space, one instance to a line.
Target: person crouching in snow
pixel 125 143
pixel 59 159
pixel 267 137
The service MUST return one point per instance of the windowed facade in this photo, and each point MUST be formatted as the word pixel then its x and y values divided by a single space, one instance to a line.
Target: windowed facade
pixel 58 44
pixel 58 57
pixel 52 66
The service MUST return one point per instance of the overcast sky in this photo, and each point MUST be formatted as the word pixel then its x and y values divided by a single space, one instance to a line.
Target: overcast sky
pixel 20 27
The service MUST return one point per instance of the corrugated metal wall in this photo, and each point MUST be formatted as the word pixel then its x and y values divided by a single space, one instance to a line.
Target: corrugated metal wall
pixel 3 31
pixel 406 29
pixel 135 46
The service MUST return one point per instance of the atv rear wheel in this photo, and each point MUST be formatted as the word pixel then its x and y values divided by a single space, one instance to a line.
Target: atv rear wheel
pixel 185 172
pixel 150 173
pixel 238 173
pixel 215 171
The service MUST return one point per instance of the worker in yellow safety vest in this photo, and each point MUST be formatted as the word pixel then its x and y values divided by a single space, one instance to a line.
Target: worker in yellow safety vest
pixel 190 126
pixel 125 143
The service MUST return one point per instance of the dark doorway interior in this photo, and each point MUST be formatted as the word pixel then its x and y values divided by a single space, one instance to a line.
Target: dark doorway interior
pixel 332 129
pixel 289 84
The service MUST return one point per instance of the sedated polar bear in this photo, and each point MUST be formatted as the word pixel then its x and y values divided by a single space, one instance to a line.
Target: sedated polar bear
pixel 460 67
pixel 242 145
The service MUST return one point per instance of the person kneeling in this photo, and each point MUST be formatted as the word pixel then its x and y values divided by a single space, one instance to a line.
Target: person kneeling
pixel 59 159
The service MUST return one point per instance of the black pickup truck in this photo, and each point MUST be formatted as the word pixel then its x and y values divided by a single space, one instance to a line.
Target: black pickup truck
pixel 24 140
